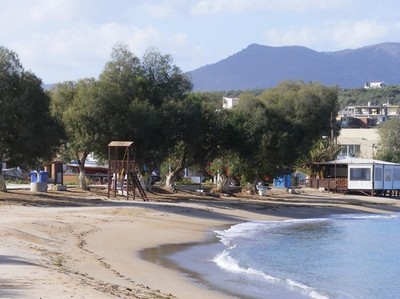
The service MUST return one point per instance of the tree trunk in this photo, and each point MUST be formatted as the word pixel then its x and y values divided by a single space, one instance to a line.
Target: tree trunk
pixel 82 178
pixel 3 186
pixel 82 172
pixel 169 180
pixel 170 177
pixel 147 181
pixel 222 182
pixel 225 186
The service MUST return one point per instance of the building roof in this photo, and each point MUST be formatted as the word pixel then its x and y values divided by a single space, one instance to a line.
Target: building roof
pixel 352 160
pixel 120 143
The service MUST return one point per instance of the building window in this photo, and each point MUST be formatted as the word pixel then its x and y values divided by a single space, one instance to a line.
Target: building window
pixel 360 174
pixel 396 174
pixel 388 174
pixel 378 174
pixel 350 150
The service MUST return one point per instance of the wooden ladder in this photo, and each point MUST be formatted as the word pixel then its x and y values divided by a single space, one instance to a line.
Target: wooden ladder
pixel 138 185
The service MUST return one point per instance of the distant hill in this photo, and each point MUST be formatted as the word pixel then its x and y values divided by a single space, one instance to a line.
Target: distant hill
pixel 260 66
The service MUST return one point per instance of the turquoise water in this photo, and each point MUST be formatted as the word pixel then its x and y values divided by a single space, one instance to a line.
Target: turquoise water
pixel 345 256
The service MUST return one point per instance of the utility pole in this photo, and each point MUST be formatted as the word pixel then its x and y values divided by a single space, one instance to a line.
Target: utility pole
pixel 332 133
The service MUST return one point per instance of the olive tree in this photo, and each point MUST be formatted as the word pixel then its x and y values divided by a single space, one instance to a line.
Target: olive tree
pixel 125 103
pixel 270 132
pixel 29 135
pixel 78 109
pixel 194 133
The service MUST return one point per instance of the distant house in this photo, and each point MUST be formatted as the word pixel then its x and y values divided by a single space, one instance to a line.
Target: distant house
pixel 358 135
pixel 368 176
pixel 374 85
pixel 364 116
pixel 228 103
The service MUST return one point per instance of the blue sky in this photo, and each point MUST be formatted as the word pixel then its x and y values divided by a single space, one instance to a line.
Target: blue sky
pixel 61 40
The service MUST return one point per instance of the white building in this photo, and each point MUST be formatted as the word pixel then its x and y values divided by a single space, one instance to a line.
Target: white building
pixel 374 85
pixel 360 143
pixel 228 103
pixel 368 176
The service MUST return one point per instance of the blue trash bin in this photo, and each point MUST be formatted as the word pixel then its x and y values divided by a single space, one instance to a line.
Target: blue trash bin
pixel 43 177
pixel 34 176
pixel 34 180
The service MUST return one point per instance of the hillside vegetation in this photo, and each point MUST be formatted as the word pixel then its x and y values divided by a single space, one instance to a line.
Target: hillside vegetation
pixel 362 96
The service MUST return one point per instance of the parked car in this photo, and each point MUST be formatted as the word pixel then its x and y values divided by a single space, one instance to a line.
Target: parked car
pixel 155 177
pixel 14 174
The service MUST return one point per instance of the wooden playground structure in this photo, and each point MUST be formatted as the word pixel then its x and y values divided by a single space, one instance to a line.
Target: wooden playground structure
pixel 122 170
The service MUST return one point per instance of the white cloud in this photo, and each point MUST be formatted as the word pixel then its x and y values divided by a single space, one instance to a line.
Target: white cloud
pixel 333 35
pixel 44 10
pixel 162 9
pixel 239 6
pixel 362 32
pixel 34 13
pixel 80 52
pixel 73 39
pixel 208 7
pixel 298 36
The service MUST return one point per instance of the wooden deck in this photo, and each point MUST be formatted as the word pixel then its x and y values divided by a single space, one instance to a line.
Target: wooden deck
pixel 340 185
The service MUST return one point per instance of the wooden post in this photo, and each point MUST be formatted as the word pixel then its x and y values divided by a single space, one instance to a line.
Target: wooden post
pixel 109 172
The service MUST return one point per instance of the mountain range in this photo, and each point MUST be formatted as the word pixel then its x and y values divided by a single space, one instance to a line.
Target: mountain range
pixel 259 67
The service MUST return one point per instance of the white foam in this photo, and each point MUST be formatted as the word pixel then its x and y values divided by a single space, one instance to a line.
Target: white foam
pixel 366 216
pixel 237 231
pixel 249 229
pixel 306 289
pixel 228 263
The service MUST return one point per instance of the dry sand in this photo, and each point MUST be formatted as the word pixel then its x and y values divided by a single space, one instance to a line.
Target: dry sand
pixel 78 244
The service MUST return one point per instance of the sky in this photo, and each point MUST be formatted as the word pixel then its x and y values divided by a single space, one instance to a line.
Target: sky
pixel 62 40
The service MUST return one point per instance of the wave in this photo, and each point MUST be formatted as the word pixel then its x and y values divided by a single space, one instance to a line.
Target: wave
pixel 366 216
pixel 238 230
pixel 226 262
pixel 253 228
pixel 237 235
pixel 306 289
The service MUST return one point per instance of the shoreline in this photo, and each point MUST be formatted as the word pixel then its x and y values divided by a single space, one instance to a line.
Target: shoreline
pixel 165 255
pixel 81 244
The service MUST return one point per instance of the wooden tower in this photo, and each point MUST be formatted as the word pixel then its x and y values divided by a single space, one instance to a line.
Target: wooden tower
pixel 122 170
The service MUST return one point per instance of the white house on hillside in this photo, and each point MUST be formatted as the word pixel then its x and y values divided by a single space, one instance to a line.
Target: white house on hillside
pixel 228 103
pixel 374 85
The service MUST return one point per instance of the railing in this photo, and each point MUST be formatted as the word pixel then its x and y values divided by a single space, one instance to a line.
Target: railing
pixel 121 165
pixel 330 184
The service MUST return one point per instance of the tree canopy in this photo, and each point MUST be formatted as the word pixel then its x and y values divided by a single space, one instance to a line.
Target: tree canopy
pixel 148 100
pixel 267 134
pixel 126 103
pixel 283 123
pixel 29 135
pixel 389 146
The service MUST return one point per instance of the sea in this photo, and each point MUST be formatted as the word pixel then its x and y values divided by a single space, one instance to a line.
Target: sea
pixel 342 256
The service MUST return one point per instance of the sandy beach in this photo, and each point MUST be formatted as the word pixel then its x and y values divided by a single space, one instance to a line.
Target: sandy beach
pixel 80 244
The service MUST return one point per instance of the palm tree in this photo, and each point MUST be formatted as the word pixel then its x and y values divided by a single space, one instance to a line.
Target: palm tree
pixel 322 151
